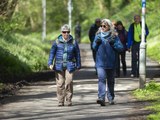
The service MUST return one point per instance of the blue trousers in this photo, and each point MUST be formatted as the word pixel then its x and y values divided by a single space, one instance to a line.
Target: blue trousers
pixel 104 74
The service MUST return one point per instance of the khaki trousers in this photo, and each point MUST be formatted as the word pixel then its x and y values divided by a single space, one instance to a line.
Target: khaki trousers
pixel 64 81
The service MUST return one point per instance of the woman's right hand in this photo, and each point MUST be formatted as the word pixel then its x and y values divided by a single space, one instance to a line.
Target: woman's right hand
pixel 51 67
pixel 98 41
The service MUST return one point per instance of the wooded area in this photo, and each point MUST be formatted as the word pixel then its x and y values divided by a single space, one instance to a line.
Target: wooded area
pixel 28 13
pixel 21 28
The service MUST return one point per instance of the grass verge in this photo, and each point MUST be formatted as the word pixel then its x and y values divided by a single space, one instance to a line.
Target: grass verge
pixel 150 92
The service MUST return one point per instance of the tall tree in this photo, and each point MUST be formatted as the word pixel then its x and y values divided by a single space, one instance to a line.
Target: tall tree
pixel 124 3
pixel 3 7
pixel 11 8
pixel 44 20
pixel 7 8
pixel 108 5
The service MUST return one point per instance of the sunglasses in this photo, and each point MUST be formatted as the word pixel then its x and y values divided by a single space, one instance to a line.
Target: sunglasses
pixel 66 32
pixel 103 26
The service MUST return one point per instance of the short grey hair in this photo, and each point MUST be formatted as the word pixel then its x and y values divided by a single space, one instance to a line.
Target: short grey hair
pixel 65 27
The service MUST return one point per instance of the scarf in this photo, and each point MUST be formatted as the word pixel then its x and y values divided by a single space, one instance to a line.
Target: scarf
pixel 105 34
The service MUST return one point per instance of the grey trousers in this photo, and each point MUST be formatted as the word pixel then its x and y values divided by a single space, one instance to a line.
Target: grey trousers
pixel 64 81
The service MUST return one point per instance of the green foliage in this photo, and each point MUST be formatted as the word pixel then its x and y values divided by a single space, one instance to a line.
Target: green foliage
pixel 11 26
pixel 154 48
pixel 11 66
pixel 152 86
pixel 156 108
pixel 150 92
pixel 22 55
pixel 28 16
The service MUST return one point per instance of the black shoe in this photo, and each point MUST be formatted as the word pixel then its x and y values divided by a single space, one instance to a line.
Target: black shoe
pixel 137 76
pixel 101 102
pixel 117 76
pixel 124 73
pixel 111 102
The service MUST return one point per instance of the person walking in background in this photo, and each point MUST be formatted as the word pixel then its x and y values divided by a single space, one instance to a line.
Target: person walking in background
pixel 66 55
pixel 77 32
pixel 92 33
pixel 105 61
pixel 122 34
pixel 134 40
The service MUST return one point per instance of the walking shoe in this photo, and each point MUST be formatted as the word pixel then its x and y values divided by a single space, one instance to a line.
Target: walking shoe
pixel 69 104
pixel 60 104
pixel 101 102
pixel 111 102
pixel 124 73
pixel 132 75
pixel 117 76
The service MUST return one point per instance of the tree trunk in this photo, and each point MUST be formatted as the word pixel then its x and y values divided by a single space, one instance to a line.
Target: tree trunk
pixel 108 5
pixel 3 7
pixel 124 3
pixel 11 9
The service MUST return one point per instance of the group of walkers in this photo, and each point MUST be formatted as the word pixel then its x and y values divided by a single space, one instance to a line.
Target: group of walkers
pixel 65 53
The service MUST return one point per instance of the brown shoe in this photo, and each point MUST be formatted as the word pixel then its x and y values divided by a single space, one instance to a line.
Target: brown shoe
pixel 60 104
pixel 69 104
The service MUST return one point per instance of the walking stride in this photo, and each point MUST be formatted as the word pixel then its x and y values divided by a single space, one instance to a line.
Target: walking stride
pixel 66 55
pixel 134 40
pixel 122 34
pixel 105 61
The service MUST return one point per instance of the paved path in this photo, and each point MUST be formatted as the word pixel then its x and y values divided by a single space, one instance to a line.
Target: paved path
pixel 38 101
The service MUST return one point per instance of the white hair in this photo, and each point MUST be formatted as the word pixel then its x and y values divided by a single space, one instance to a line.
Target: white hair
pixel 65 27
pixel 107 21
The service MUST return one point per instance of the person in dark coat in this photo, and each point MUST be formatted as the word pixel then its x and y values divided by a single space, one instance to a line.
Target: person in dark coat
pixel 77 32
pixel 92 33
pixel 66 56
pixel 122 34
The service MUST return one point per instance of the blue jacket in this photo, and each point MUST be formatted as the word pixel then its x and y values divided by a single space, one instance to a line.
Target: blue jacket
pixel 73 60
pixel 131 34
pixel 105 54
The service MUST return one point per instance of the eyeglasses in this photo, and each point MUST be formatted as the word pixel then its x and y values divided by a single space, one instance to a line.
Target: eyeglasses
pixel 103 26
pixel 66 32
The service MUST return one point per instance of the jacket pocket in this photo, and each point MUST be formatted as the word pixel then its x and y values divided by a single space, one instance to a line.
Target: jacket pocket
pixel 71 66
pixel 58 66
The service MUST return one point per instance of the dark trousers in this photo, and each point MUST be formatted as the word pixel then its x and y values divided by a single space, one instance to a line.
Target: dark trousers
pixel 93 53
pixel 135 59
pixel 94 56
pixel 121 57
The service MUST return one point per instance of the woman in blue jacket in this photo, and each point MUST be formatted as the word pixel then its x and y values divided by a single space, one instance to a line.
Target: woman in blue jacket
pixel 105 61
pixel 66 55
